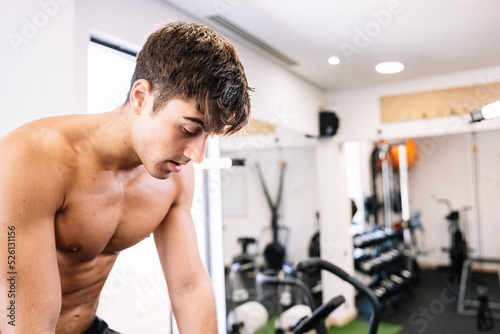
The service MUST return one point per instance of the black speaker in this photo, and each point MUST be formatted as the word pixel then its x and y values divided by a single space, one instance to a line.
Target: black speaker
pixel 328 123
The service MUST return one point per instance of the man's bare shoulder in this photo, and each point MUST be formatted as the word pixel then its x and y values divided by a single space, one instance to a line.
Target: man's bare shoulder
pixel 37 145
pixel 36 165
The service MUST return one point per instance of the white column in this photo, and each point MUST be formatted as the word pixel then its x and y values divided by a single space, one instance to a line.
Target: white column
pixel 335 220
pixel 215 234
pixel 207 217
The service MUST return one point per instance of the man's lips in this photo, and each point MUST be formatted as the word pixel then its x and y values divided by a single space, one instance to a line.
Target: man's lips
pixel 175 166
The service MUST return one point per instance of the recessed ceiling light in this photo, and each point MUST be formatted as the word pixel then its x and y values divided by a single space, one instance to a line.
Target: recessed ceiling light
pixel 389 67
pixel 333 61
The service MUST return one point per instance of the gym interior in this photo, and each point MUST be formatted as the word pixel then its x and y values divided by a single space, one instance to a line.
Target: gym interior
pixel 356 202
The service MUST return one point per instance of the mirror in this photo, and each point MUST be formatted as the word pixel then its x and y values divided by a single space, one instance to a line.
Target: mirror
pixel 247 214
pixel 456 172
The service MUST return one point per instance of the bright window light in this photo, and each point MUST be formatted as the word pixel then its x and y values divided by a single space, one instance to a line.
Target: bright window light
pixel 491 110
pixel 389 67
pixel 108 78
pixel 333 61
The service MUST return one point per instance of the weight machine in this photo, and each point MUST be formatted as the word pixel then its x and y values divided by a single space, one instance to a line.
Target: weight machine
pixel 386 252
pixel 314 317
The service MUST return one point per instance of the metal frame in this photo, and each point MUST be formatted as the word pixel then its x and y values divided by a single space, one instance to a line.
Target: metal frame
pixel 469 307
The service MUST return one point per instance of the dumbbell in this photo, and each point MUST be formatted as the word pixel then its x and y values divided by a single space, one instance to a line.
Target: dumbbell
pixel 390 285
pixel 379 291
pixel 398 280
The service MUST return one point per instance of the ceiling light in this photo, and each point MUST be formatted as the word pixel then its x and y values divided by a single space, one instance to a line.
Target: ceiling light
pixel 333 61
pixel 389 67
pixel 489 111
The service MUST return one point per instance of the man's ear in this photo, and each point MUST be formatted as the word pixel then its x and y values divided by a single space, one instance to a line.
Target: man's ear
pixel 141 93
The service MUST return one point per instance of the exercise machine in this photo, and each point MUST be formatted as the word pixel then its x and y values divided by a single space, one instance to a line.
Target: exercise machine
pixel 252 316
pixel 319 264
pixel 316 319
pixel 269 279
pixel 458 245
pixel 247 318
pixel 484 310
pixel 314 245
pixel 385 253
pixel 392 160
pixel 274 253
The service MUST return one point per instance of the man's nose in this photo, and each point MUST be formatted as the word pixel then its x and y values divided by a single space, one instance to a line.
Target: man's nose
pixel 195 151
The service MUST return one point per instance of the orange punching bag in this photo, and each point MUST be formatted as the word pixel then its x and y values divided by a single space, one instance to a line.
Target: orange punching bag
pixel 411 152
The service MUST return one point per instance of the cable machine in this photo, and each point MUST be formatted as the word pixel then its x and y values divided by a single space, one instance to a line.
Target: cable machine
pixel 274 253
pixel 386 159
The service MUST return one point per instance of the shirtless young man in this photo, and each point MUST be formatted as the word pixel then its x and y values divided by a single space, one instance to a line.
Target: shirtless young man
pixel 78 189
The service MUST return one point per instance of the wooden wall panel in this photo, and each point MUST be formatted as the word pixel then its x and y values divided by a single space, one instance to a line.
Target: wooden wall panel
pixel 437 103
pixel 256 127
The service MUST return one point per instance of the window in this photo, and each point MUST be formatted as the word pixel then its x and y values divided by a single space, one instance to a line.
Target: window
pixel 108 76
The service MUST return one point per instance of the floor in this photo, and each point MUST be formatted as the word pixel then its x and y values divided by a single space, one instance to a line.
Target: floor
pixel 431 306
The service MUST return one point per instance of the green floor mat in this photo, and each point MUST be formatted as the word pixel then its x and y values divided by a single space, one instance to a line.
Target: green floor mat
pixel 355 327
pixel 361 327
pixel 269 328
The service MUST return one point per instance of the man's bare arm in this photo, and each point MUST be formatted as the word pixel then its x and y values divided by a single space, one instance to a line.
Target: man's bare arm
pixel 30 195
pixel 188 283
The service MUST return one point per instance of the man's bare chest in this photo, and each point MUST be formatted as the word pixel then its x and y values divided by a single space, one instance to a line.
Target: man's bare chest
pixel 105 214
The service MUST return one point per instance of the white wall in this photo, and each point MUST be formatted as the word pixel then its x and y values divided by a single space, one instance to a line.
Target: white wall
pixel 281 98
pixel 299 201
pixel 36 64
pixel 446 171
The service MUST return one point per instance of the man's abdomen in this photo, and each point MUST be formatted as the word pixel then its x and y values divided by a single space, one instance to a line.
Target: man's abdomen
pixel 81 285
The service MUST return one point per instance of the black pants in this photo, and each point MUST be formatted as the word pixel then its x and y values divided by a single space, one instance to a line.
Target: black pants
pixel 99 326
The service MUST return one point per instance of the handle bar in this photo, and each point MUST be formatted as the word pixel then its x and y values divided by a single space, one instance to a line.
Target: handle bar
pixel 316 263
pixel 321 312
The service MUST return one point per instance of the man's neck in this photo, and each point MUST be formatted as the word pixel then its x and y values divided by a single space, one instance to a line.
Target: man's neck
pixel 112 140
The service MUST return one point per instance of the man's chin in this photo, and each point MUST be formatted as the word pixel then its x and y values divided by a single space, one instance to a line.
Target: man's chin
pixel 163 175
pixel 159 173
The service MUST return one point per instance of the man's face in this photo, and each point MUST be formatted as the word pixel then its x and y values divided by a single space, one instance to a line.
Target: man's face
pixel 170 137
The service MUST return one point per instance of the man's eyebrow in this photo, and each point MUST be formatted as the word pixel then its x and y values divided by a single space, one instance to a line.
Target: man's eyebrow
pixel 196 120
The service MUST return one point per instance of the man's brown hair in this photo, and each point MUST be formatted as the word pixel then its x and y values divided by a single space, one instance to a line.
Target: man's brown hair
pixel 191 61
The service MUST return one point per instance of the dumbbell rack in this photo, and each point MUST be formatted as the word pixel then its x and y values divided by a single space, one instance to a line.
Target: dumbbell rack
pixel 383 259
pixel 385 251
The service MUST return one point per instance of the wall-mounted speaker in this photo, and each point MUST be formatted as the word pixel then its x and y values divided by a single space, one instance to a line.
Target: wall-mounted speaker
pixel 328 123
